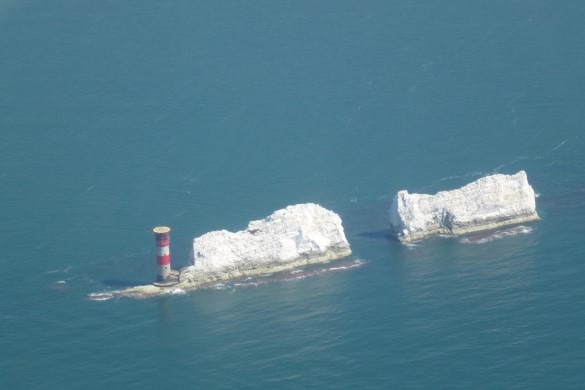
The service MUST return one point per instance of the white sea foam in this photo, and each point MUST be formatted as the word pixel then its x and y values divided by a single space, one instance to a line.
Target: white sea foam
pixel 292 279
pixel 253 281
pixel 64 270
pixel 104 296
pixel 454 177
pixel 464 176
pixel 291 276
pixel 497 235
pixel 175 291
pixel 354 264
pixel 519 158
pixel 559 145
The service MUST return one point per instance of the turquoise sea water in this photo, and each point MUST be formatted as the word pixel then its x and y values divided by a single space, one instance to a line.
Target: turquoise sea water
pixel 119 116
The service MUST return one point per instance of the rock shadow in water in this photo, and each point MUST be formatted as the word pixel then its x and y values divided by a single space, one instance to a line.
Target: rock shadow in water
pixel 378 235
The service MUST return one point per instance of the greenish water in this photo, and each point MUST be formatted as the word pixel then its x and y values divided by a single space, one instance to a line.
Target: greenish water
pixel 119 116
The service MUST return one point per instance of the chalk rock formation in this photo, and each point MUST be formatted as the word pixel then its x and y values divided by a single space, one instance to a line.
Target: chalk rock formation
pixel 488 203
pixel 291 237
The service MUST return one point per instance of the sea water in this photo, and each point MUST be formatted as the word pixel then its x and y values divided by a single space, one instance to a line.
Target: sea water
pixel 116 117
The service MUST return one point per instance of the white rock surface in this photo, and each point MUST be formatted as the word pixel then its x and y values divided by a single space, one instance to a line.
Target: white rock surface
pixel 488 203
pixel 291 237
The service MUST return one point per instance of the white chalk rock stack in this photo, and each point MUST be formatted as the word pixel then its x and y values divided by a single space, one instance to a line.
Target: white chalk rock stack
pixel 291 237
pixel 488 203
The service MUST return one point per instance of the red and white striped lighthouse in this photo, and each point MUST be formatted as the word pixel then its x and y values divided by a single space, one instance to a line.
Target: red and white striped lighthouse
pixel 163 256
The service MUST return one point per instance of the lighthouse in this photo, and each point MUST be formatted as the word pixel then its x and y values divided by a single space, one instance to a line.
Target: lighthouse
pixel 163 255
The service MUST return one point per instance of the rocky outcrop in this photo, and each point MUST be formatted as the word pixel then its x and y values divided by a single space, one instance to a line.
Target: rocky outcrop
pixel 488 203
pixel 289 238
pixel 292 237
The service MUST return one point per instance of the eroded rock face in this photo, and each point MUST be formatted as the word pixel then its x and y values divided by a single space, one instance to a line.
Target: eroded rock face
pixel 291 237
pixel 488 203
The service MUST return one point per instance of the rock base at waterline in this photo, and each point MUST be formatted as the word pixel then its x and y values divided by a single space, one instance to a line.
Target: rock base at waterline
pixel 290 238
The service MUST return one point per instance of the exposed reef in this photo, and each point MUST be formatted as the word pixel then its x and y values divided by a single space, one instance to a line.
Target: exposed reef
pixel 487 203
pixel 289 238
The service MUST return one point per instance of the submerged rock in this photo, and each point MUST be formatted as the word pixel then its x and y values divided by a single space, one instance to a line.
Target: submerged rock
pixel 485 204
pixel 289 238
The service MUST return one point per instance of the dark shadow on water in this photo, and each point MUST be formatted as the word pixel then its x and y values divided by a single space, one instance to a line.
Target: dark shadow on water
pixel 123 283
pixel 378 235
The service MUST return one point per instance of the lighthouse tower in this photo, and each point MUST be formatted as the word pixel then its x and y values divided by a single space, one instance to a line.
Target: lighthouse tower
pixel 163 256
